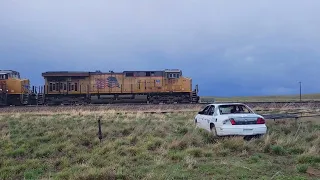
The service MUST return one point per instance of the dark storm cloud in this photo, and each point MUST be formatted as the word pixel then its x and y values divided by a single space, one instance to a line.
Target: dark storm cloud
pixel 227 47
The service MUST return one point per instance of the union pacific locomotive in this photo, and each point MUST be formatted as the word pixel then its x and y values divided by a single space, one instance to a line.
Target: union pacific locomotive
pixel 65 87
pixel 13 89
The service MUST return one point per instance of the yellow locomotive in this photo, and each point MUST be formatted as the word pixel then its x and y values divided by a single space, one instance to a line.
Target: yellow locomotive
pixel 167 86
pixel 13 89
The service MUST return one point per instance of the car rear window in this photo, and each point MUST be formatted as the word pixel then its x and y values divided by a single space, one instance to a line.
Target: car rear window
pixel 234 109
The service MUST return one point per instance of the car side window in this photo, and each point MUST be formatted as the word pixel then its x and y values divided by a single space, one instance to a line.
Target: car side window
pixel 211 110
pixel 207 111
pixel 216 112
pixel 204 111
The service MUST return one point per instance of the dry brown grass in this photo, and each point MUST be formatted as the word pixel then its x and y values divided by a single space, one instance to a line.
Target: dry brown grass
pixel 150 146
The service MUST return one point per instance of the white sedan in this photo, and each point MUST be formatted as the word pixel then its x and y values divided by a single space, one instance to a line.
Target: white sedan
pixel 231 119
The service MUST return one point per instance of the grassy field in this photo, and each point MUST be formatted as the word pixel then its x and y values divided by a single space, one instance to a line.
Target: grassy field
pixel 150 146
pixel 289 98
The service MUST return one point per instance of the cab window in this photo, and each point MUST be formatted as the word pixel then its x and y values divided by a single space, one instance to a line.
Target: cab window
pixel 4 76
pixel 50 87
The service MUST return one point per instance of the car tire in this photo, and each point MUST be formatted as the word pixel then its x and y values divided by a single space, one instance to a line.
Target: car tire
pixel 213 130
pixel 196 123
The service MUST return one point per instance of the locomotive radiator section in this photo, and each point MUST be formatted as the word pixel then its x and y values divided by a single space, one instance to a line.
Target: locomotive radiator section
pixel 115 88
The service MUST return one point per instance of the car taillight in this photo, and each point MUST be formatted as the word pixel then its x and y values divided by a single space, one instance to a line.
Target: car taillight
pixel 233 122
pixel 260 121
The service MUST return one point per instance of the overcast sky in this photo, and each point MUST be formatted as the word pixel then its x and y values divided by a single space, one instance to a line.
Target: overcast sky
pixel 229 48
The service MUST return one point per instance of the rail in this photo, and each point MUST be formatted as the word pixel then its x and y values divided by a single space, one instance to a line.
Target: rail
pixel 260 102
pixel 288 116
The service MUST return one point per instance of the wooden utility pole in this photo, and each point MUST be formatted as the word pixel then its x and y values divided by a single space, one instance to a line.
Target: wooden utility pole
pixel 300 91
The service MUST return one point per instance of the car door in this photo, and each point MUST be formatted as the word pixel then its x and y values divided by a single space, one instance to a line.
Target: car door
pixel 200 117
pixel 208 117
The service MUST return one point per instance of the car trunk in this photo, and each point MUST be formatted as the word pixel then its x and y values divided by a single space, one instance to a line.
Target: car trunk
pixel 244 119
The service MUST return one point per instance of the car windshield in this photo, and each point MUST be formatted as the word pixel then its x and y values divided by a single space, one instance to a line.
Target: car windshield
pixel 234 109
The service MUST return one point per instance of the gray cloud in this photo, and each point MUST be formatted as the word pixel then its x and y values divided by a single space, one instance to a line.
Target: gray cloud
pixel 265 44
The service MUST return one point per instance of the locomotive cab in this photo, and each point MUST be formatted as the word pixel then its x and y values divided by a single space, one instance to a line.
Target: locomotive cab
pixel 176 82
pixel 173 74
pixel 13 89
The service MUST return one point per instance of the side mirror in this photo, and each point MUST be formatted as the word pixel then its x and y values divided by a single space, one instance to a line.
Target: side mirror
pixel 200 112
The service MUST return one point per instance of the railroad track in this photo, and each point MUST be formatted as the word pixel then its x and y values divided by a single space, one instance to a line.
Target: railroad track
pixel 276 103
pixel 268 114
pixel 258 106
pixel 271 113
pixel 201 103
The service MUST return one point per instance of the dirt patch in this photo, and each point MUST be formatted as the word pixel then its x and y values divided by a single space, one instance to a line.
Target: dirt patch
pixel 313 172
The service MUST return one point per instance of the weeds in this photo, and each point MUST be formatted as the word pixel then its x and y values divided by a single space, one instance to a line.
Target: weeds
pixel 302 168
pixel 140 146
pixel 278 150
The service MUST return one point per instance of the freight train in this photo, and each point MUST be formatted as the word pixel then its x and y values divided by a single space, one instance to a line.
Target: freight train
pixel 79 88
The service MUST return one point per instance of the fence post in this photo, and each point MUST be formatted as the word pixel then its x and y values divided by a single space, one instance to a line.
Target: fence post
pixel 296 121
pixel 99 133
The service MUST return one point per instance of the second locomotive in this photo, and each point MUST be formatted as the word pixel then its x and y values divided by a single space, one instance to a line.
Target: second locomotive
pixel 168 86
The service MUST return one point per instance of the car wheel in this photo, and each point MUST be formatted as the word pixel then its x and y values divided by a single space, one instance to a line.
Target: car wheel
pixel 213 130
pixel 247 138
pixel 196 123
pixel 258 136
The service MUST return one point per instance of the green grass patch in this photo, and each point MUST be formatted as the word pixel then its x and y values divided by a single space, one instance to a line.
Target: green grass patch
pixel 149 146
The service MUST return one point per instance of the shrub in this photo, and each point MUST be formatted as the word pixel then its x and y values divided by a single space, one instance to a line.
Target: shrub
pixel 302 168
pixel 309 159
pixel 296 150
pixel 18 153
pixel 182 130
pixel 153 145
pixel 278 150
pixel 176 155
pixel 178 145
pixel 254 159
pixel 195 152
